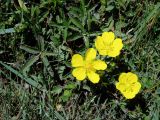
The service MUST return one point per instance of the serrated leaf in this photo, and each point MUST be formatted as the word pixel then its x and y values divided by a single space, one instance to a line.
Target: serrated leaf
pixel 29 49
pixel 74 28
pixel 30 62
pixel 47 65
pixel 65 34
pixel 55 40
pixel 40 40
pixel 46 53
pixel 77 23
pixel 74 37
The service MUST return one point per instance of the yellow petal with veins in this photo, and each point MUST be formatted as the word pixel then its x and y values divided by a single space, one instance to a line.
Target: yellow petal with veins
pixel 132 77
pixel 77 60
pixel 129 95
pixel 99 65
pixel 99 43
pixel 117 44
pixel 90 54
pixel 108 37
pixel 123 77
pixel 79 73
pixel 93 77
pixel 113 53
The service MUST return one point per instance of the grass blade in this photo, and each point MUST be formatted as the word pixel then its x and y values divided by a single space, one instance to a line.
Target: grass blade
pixel 58 115
pixel 27 79
pixel 22 5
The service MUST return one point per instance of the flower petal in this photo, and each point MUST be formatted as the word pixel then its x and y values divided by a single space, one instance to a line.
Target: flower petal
pixel 129 95
pixel 99 65
pixel 99 43
pixel 117 44
pixel 79 73
pixel 77 60
pixel 93 77
pixel 108 37
pixel 132 77
pixel 113 53
pixel 120 86
pixel 90 54
pixel 103 52
pixel 136 87
pixel 122 78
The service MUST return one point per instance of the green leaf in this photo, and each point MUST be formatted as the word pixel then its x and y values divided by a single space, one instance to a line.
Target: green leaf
pixel 47 65
pixel 74 37
pixel 70 86
pixel 27 79
pixel 44 16
pixel 109 8
pixel 103 2
pixel 67 64
pixel 66 95
pixel 22 5
pixel 86 41
pixel 40 40
pixel 55 40
pixel 56 90
pixel 110 25
pixel 65 34
pixel 74 28
pixel 9 30
pixel 122 3
pixel 29 49
pixel 30 62
pixel 86 87
pixel 98 118
pixel 46 53
pixel 59 117
pixel 77 23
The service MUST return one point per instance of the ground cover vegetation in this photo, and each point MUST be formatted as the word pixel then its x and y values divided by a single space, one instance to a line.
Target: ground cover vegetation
pixel 79 59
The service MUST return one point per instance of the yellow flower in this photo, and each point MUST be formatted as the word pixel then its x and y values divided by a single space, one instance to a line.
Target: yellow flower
pixel 108 45
pixel 128 85
pixel 87 67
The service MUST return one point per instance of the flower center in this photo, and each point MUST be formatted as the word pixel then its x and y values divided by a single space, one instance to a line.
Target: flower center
pixel 128 87
pixel 109 48
pixel 89 66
